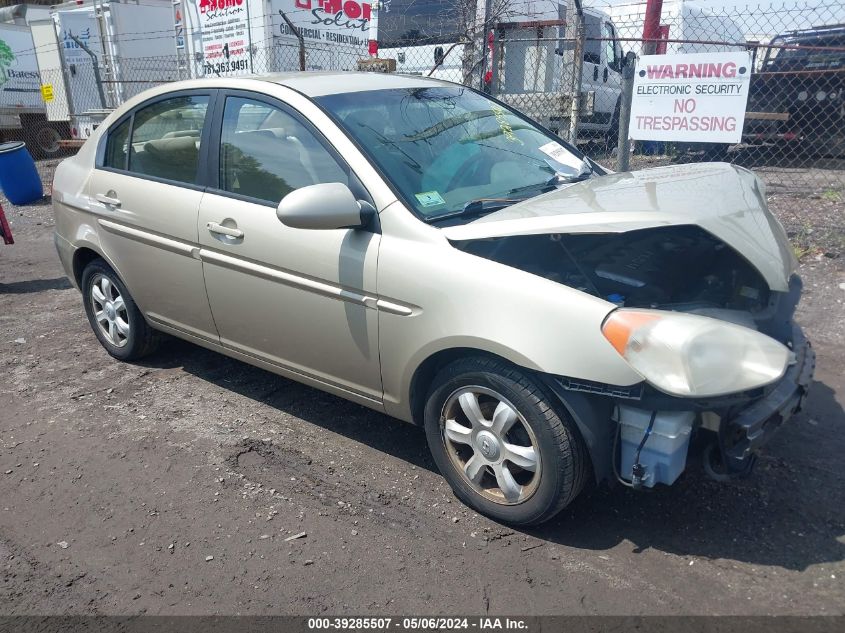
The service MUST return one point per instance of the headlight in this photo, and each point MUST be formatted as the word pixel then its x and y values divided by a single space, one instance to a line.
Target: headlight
pixel 694 356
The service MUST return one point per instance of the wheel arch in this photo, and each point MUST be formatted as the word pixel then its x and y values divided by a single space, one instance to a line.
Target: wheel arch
pixel 83 255
pixel 591 414
pixel 425 372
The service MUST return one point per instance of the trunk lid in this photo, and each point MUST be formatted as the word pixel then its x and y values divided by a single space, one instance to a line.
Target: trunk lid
pixel 728 202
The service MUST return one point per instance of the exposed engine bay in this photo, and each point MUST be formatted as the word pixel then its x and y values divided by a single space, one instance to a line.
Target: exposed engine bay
pixel 678 268
pixel 681 268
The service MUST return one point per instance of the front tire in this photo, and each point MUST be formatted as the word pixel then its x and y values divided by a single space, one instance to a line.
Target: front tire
pixel 115 318
pixel 499 440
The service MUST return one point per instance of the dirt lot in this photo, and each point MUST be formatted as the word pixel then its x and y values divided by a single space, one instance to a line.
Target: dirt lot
pixel 173 485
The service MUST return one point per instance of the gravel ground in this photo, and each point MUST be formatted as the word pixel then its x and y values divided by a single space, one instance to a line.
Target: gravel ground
pixel 195 484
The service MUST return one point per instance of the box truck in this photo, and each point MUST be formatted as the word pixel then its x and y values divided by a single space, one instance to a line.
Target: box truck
pixel 241 37
pixel 22 109
pixel 95 54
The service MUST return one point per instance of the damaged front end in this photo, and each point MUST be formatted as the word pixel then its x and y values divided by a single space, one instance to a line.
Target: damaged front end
pixel 705 301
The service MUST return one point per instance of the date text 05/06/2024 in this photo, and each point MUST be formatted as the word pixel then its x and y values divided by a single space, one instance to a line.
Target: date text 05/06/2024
pixel 418 623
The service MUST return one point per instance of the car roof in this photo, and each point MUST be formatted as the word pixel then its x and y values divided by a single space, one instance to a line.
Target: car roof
pixel 312 83
pixel 317 84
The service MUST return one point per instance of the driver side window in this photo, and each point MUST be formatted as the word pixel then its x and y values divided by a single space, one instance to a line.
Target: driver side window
pixel 265 153
pixel 610 46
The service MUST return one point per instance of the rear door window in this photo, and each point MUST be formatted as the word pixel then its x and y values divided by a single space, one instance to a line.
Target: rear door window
pixel 161 140
pixel 165 140
pixel 117 146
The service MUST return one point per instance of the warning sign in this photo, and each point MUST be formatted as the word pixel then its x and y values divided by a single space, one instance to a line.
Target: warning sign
pixel 47 92
pixel 698 97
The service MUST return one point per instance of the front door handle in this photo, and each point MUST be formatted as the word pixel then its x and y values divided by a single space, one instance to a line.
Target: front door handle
pixel 595 72
pixel 605 75
pixel 224 230
pixel 107 200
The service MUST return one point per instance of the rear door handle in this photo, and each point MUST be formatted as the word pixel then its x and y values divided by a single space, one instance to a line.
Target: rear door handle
pixel 595 72
pixel 605 75
pixel 224 230
pixel 107 200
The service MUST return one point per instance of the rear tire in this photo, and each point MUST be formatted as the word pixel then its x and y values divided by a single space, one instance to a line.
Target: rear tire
pixel 115 318
pixel 502 444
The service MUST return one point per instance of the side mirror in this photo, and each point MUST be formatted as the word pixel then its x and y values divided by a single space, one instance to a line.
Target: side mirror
pixel 325 206
pixel 629 60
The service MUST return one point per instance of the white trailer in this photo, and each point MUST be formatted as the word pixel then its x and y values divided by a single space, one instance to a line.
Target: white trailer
pixel 95 54
pixel 22 109
pixel 240 37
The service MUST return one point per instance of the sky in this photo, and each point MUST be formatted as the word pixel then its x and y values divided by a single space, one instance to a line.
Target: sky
pixel 763 16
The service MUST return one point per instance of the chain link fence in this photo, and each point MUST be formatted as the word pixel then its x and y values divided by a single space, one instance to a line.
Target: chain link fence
pixel 794 126
pixel 565 72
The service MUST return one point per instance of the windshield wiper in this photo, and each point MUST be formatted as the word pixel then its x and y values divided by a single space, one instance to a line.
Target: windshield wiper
pixel 475 208
pixel 552 183
pixel 482 206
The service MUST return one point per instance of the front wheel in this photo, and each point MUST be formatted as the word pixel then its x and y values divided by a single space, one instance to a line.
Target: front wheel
pixel 500 442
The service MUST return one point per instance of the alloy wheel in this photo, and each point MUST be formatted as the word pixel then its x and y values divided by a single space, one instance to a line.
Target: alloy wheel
pixel 491 445
pixel 110 310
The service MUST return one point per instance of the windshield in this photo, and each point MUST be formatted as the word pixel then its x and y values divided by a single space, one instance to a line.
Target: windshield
pixel 447 149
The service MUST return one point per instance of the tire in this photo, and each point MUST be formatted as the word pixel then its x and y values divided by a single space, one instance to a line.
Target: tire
pixel 611 137
pixel 46 144
pixel 540 430
pixel 113 315
pixel 42 136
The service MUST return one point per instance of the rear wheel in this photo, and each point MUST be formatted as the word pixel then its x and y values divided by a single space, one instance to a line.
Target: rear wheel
pixel 117 322
pixel 47 141
pixel 500 442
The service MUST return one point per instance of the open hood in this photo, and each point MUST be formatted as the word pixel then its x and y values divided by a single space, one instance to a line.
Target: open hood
pixel 726 201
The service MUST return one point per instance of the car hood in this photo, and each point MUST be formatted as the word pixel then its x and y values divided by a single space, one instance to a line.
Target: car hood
pixel 727 201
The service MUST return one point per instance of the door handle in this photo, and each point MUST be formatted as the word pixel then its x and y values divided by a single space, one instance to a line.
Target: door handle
pixel 109 201
pixel 595 72
pixel 605 75
pixel 224 230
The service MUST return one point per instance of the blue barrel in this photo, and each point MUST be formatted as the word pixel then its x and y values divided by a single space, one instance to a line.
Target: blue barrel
pixel 18 177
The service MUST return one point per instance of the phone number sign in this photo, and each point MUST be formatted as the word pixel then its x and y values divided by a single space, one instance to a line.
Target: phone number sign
pixel 697 97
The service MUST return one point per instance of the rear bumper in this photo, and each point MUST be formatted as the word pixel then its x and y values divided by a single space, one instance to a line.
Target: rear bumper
pixel 755 425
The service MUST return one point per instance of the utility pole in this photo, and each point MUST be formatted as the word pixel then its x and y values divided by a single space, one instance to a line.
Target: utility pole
pixel 575 109
pixel 95 66
pixel 299 37
pixel 372 43
pixel 651 26
pixel 623 146
pixel 485 28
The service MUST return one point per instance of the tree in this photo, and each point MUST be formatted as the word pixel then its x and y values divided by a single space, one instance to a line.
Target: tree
pixel 475 19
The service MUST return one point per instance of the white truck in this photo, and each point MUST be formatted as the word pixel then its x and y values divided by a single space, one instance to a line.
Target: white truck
pixel 534 66
pixel 22 109
pixel 687 25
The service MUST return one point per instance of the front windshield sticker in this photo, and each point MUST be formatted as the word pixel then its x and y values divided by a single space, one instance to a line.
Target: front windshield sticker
pixel 560 154
pixel 430 198
pixel 506 128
